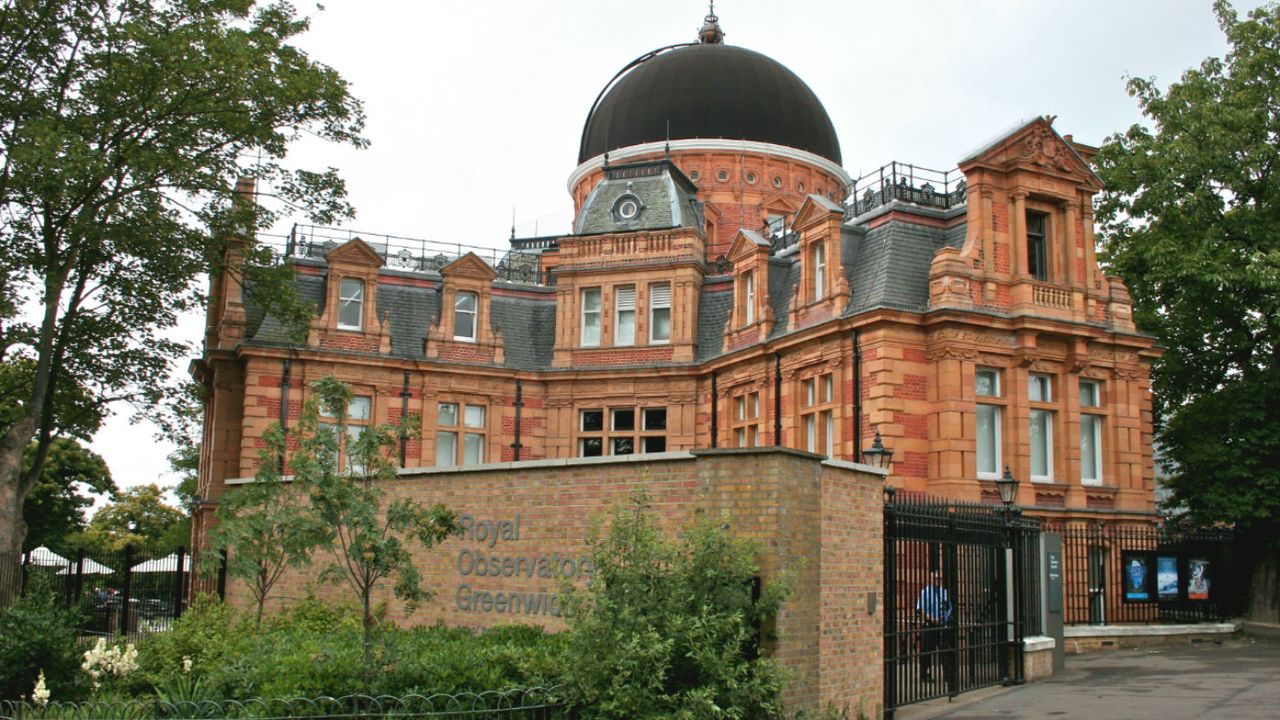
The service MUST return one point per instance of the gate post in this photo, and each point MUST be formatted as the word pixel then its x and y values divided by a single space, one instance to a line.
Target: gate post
pixel 890 591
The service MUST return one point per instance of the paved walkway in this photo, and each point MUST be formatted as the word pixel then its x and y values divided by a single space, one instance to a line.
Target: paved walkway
pixel 1237 679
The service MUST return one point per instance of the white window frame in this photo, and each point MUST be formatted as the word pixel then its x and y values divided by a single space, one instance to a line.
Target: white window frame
pixel 1041 384
pixel 819 270
pixel 346 297
pixel 749 297
pixel 996 444
pixel 624 305
pixel 659 299
pixel 591 332
pixel 1091 424
pixel 460 432
pixel 474 313
pixel 1047 477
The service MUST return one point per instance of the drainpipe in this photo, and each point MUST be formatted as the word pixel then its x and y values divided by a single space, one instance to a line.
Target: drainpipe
pixel 404 413
pixel 519 405
pixel 777 399
pixel 284 411
pixel 857 397
pixel 715 409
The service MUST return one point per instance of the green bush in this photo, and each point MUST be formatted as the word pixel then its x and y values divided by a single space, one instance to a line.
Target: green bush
pixel 668 629
pixel 37 633
pixel 316 650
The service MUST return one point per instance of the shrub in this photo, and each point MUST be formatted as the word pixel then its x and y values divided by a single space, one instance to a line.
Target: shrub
pixel 38 634
pixel 669 629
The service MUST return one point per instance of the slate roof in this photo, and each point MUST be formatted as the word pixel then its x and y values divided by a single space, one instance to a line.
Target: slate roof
pixel 886 266
pixel 713 315
pixel 666 204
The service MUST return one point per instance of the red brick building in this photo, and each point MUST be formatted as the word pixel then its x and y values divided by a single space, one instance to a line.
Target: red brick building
pixel 728 284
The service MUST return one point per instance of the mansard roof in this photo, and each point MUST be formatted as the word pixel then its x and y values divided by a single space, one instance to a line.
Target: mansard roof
pixel 886 265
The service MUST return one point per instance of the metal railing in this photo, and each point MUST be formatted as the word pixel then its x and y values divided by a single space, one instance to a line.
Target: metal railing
pixel 516 704
pixel 1180 577
pixel 522 263
pixel 130 592
pixel 986 612
pixel 903 182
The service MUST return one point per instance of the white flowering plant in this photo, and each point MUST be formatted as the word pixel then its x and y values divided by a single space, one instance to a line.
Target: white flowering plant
pixel 106 664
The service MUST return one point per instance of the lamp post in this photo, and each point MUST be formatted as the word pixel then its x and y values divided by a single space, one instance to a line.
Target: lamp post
pixel 1007 486
pixel 878 455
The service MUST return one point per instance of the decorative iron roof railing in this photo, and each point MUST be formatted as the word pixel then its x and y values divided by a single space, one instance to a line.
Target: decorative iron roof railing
pixel 942 189
pixel 518 264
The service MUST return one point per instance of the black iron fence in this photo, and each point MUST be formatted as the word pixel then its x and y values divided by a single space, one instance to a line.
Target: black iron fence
pixel 518 704
pixel 522 263
pixel 961 594
pixel 942 189
pixel 129 592
pixel 1121 575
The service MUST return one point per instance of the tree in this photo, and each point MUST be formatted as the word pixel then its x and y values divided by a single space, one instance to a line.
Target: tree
pixel 264 527
pixel 1191 220
pixel 55 507
pixel 139 516
pixel 341 474
pixel 669 629
pixel 123 125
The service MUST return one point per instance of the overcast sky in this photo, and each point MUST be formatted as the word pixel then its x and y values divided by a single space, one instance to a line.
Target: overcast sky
pixel 475 109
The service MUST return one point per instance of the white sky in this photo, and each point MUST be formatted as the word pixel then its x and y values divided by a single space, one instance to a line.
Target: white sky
pixel 477 108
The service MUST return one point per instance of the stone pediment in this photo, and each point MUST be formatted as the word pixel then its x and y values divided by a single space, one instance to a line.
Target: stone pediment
pixel 814 210
pixel 1035 145
pixel 746 242
pixel 355 252
pixel 469 266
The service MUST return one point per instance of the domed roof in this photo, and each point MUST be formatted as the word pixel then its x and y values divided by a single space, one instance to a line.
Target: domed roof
pixel 709 90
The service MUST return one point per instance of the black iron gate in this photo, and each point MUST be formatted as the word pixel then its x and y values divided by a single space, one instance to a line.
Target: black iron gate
pixel 960 596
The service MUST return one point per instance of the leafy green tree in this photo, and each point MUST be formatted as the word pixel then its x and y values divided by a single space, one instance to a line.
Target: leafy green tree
pixel 139 517
pixel 264 527
pixel 341 474
pixel 669 629
pixel 123 126
pixel 55 507
pixel 1191 220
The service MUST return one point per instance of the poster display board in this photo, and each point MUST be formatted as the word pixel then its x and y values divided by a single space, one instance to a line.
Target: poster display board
pixel 1167 577
pixel 1139 576
pixel 1198 579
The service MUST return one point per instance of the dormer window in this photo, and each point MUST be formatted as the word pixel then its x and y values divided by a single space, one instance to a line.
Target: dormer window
pixel 351 304
pixel 464 316
pixel 1037 245
pixel 627 208
pixel 819 271
pixel 749 297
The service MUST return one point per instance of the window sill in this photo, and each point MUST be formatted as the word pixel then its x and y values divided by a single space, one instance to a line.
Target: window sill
pixel 463 339
pixel 348 328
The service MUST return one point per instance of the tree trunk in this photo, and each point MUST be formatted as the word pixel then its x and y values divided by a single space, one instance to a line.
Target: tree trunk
pixel 1264 594
pixel 13 529
pixel 368 640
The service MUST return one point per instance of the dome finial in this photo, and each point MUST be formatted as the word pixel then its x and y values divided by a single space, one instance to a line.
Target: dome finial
pixel 711 34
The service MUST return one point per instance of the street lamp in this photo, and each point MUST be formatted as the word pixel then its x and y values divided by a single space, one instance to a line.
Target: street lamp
pixel 878 455
pixel 1007 485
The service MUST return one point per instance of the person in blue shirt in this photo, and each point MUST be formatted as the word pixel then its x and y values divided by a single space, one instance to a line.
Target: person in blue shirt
pixel 934 610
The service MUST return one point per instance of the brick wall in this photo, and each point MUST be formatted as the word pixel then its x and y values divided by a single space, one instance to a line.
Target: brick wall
pixel 817 522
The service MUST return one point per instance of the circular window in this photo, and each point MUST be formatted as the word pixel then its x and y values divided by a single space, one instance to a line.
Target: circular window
pixel 693 175
pixel 799 187
pixel 723 176
pixel 628 208
pixel 777 181
pixel 751 178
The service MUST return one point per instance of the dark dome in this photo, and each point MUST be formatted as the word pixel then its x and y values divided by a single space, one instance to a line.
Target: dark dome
pixel 710 91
